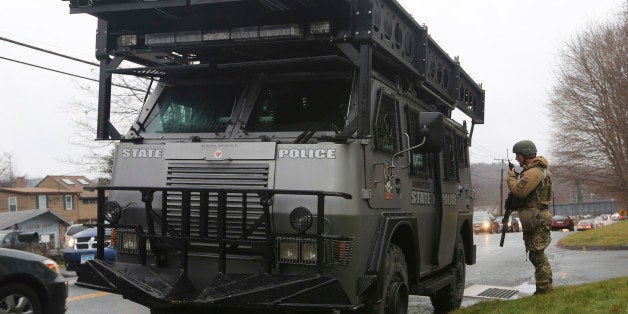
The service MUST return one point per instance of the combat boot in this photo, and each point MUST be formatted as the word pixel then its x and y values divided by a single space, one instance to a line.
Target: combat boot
pixel 545 289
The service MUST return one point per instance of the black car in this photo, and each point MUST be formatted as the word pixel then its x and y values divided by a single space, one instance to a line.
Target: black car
pixel 513 224
pixel 485 223
pixel 30 283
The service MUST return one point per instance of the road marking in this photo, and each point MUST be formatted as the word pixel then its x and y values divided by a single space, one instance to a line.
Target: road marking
pixel 87 296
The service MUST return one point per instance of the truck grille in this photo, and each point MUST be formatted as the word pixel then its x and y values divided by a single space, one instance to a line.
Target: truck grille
pixel 89 243
pixel 222 175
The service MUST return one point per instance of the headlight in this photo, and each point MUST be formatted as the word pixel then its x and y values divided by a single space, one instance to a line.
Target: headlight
pixel 289 251
pixel 129 242
pixel 486 225
pixel 308 252
pixel 112 211
pixel 70 241
pixel 301 219
pixel 51 264
pixel 298 251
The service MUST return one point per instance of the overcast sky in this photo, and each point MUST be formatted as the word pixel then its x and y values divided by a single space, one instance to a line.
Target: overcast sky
pixel 511 47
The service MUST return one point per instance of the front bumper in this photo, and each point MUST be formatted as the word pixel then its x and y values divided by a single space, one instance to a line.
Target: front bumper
pixel 482 228
pixel 73 257
pixel 58 293
pixel 156 287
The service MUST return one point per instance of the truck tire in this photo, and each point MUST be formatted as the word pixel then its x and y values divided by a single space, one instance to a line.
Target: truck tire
pixel 19 298
pixel 395 289
pixel 450 297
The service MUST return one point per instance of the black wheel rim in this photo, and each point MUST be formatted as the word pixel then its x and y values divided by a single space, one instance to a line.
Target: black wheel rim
pixel 16 303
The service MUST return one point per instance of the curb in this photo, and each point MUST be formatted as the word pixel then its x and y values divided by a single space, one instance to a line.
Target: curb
pixel 592 247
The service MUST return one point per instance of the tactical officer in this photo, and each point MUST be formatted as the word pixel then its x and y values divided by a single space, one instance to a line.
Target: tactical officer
pixel 532 192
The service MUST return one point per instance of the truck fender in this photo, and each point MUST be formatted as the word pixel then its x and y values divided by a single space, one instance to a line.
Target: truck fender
pixel 465 227
pixel 401 230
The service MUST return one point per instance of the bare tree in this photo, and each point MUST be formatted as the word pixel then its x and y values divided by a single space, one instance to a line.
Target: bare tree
pixel 127 98
pixel 7 174
pixel 589 108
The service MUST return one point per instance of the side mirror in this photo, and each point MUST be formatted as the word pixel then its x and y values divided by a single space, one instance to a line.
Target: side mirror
pixel 431 125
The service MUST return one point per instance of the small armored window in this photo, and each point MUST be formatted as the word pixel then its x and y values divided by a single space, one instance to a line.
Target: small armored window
pixel 462 150
pixel 386 124
pixel 449 156
pixel 420 163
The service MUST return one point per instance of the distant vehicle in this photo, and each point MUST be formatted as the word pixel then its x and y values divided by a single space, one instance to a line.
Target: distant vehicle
pixel 513 224
pixel 30 283
pixel 485 223
pixel 70 232
pixel 585 224
pixel 11 239
pixel 560 222
pixel 84 246
pixel 598 223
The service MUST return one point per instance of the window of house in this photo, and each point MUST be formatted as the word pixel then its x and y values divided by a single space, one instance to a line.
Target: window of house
pixel 42 202
pixel 387 124
pixel 13 204
pixel 82 181
pixel 67 181
pixel 89 200
pixel 69 202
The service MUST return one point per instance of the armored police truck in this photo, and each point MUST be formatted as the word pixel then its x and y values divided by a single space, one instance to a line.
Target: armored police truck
pixel 293 155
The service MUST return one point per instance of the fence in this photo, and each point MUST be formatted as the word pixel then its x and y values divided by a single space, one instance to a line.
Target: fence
pixel 589 208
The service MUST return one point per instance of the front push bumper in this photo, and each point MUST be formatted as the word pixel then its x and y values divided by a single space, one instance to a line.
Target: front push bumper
pixel 156 287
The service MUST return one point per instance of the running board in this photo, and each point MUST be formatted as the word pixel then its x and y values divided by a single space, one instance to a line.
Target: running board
pixel 430 285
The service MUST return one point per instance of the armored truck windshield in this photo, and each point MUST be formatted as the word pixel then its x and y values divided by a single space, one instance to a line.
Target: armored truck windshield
pixel 276 104
pixel 193 109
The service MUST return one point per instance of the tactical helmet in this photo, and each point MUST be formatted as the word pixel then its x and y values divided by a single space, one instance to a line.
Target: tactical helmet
pixel 525 148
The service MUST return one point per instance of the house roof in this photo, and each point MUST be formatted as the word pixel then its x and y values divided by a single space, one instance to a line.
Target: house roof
pixel 74 183
pixel 9 219
pixel 37 191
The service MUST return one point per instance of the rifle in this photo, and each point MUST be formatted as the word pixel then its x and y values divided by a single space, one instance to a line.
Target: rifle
pixel 509 207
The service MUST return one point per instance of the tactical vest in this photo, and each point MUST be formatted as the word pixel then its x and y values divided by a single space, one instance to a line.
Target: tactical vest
pixel 541 196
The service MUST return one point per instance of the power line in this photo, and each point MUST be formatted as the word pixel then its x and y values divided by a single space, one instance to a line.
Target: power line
pixel 47 51
pixel 70 74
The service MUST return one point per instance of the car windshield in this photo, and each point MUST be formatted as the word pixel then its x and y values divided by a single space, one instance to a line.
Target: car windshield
pixel 73 229
pixel 481 218
pixel 559 217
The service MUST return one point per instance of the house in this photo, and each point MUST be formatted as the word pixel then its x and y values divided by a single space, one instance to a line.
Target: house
pixel 64 195
pixel 49 226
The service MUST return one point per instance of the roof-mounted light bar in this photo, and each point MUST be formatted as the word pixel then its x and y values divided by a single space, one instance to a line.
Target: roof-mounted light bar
pixel 268 32
pixel 280 31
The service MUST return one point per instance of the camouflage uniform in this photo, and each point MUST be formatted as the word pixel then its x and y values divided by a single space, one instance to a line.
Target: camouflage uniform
pixel 533 191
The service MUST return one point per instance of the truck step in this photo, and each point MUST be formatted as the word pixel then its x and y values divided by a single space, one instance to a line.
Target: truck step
pixel 432 284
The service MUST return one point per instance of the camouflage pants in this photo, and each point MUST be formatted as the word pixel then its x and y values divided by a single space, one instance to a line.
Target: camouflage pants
pixel 536 226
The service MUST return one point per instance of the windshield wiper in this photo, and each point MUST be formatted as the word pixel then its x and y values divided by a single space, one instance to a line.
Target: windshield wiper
pixel 308 133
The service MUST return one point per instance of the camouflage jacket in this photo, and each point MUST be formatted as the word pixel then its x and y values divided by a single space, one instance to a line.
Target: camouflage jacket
pixel 534 186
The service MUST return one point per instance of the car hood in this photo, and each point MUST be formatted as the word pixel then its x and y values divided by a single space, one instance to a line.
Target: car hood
pixel 15 254
pixel 91 232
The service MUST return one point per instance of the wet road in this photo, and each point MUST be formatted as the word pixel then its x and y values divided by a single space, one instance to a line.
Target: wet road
pixel 496 266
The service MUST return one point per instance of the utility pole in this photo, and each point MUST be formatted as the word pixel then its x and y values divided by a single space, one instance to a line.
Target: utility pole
pixel 501 185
